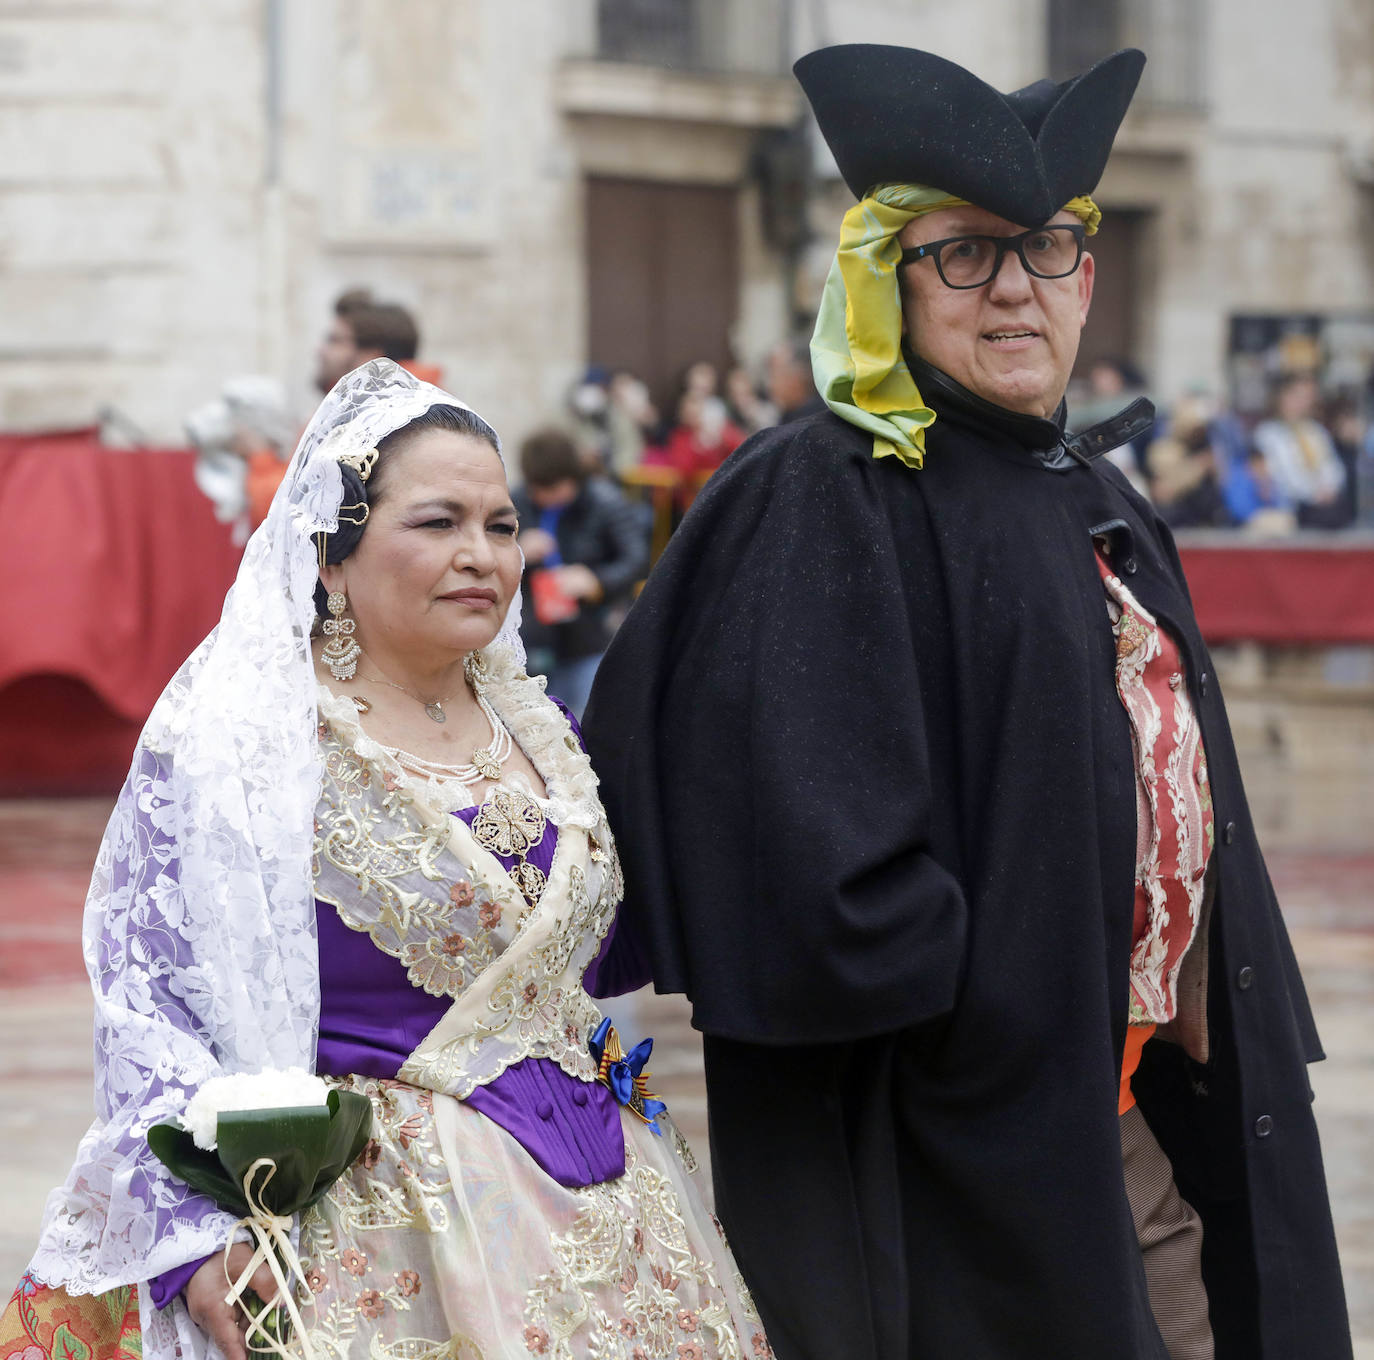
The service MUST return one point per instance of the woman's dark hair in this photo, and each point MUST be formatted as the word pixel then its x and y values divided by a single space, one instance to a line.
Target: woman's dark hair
pixel 345 539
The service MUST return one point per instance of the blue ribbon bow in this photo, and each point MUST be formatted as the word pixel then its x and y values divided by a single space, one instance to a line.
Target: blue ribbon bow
pixel 624 1073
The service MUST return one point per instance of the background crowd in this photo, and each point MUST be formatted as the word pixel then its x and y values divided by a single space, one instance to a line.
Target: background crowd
pixel 606 479
pixel 1305 463
pixel 602 483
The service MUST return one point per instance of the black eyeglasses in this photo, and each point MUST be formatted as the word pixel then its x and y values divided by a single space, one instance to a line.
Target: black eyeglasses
pixel 972 261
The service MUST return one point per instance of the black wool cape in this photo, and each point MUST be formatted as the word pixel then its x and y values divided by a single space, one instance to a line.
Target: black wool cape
pixel 872 784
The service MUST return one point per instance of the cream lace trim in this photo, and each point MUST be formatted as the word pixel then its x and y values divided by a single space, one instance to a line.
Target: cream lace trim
pixel 535 723
pixel 405 871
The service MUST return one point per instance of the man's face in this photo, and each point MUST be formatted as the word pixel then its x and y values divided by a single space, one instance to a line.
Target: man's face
pixel 787 388
pixel 1014 340
pixel 339 353
pixel 554 495
pixel 1298 400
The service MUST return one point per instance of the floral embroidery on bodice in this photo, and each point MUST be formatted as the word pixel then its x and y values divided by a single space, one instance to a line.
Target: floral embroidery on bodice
pixel 429 890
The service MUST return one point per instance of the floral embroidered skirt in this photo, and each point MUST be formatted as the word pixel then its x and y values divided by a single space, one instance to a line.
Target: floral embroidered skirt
pixel 40 1323
pixel 445 1241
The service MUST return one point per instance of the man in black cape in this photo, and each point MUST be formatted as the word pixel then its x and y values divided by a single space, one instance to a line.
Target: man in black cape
pixel 881 771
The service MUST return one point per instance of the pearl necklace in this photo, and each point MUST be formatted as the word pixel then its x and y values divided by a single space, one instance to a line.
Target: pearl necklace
pixel 509 821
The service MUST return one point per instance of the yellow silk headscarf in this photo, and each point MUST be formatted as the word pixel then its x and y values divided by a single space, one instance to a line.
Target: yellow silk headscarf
pixel 856 349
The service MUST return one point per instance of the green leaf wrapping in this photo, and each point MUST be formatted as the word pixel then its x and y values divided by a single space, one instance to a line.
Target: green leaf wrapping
pixel 201 1170
pixel 350 1126
pixel 312 1146
pixel 294 1138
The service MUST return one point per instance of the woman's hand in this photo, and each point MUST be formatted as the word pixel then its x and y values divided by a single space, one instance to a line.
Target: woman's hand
pixel 225 1324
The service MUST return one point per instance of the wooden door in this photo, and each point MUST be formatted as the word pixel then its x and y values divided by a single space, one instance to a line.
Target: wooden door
pixel 663 279
pixel 1113 329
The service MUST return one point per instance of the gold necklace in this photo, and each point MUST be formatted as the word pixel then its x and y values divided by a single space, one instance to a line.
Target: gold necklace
pixel 486 760
pixel 433 709
pixel 511 823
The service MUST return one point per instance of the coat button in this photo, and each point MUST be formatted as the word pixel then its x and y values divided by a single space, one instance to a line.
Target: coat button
pixel 1228 832
pixel 1130 566
pixel 1204 683
pixel 580 1095
pixel 1245 978
pixel 544 1109
pixel 1264 1126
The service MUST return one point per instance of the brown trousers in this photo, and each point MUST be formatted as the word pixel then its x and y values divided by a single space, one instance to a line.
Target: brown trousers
pixel 1170 1235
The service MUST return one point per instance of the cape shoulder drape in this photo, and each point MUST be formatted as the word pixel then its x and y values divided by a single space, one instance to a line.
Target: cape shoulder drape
pixel 860 743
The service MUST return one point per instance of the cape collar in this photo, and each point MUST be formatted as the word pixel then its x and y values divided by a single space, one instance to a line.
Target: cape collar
pixel 1034 438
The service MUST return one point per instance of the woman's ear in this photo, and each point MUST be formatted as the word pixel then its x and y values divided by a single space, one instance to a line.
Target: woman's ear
pixel 333 577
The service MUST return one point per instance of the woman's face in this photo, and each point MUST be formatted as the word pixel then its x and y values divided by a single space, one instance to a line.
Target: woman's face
pixel 438 565
pixel 701 377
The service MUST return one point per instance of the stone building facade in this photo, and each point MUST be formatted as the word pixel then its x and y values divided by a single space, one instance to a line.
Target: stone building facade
pixel 185 187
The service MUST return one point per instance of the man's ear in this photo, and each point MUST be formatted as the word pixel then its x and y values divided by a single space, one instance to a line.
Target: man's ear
pixel 1086 272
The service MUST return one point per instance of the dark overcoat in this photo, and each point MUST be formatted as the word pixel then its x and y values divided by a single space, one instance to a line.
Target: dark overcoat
pixel 600 529
pixel 874 791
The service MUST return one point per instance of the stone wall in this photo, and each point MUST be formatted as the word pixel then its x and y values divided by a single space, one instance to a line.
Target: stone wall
pixel 1303 720
pixel 185 187
pixel 171 215
pixel 1263 200
pixel 130 167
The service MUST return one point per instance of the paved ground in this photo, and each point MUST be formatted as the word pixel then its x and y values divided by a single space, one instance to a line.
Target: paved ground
pixel 45 855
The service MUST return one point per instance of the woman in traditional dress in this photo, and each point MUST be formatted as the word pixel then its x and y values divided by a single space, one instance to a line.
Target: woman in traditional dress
pixel 358 838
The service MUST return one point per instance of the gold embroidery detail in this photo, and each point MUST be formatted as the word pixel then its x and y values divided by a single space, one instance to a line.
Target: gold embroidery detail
pixel 398 868
pixel 401 1182
pixel 624 1268
pixel 631 1235
pixel 444 939
pixel 511 823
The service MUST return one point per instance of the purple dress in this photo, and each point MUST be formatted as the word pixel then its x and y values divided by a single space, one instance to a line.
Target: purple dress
pixel 372 1017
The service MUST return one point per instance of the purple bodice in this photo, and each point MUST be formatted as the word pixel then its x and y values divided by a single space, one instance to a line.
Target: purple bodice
pixel 372 1017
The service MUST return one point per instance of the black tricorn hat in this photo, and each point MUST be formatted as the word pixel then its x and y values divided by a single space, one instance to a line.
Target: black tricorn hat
pixel 899 115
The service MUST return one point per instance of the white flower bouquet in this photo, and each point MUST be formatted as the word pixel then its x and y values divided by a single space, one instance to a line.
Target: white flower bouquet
pixel 266 1146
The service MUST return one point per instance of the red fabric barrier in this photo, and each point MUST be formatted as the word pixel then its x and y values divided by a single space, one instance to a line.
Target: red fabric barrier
pixel 114 569
pixel 1302 592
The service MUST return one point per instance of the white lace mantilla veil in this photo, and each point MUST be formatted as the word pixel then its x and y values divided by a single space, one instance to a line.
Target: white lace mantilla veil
pixel 199 932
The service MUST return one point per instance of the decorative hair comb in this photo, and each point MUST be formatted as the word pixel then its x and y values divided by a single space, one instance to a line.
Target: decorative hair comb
pixel 361 463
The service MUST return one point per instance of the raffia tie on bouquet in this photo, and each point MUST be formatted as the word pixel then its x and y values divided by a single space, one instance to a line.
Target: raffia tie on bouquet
pixel 272 1236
